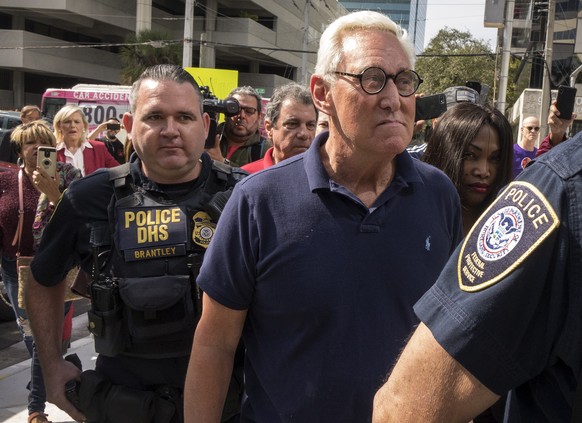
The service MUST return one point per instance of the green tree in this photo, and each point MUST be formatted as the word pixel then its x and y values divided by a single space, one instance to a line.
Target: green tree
pixel 513 88
pixel 145 49
pixel 452 58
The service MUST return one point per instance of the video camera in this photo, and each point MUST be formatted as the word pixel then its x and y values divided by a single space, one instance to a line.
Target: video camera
pixel 213 106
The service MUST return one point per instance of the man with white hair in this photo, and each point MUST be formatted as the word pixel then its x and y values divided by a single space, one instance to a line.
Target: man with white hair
pixel 525 148
pixel 308 264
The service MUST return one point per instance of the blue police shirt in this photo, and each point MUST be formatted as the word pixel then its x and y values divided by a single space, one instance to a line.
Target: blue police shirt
pixel 508 305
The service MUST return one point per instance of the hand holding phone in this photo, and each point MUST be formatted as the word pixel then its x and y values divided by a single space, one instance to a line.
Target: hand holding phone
pixel 430 107
pixel 113 126
pixel 46 159
pixel 565 101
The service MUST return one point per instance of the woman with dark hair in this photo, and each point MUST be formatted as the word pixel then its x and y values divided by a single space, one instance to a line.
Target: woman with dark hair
pixel 473 145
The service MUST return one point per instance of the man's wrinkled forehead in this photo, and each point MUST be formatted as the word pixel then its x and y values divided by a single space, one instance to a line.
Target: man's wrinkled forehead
pixel 351 44
pixel 156 89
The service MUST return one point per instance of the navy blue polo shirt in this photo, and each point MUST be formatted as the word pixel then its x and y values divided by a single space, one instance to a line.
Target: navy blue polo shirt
pixel 328 283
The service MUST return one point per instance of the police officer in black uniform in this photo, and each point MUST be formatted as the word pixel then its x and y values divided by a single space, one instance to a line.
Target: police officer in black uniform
pixel 506 312
pixel 141 231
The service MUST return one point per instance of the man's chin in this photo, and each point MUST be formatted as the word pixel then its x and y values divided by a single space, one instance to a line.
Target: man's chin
pixel 177 168
pixel 242 133
pixel 175 162
pixel 299 150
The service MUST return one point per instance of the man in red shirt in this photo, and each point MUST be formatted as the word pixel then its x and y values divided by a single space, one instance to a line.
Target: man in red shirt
pixel 290 122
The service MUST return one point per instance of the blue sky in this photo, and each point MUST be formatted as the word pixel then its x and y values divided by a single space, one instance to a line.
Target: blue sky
pixel 462 15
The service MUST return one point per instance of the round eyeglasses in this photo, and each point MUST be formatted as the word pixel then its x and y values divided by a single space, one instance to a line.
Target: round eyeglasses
pixel 373 80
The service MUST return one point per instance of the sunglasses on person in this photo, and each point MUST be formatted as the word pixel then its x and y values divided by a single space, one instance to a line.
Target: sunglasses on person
pixel 373 80
pixel 248 110
pixel 532 128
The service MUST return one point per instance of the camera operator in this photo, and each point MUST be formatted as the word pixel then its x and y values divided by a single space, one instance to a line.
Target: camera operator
pixel 114 146
pixel 238 141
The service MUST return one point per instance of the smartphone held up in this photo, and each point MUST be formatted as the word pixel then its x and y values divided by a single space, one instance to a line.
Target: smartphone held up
pixel 430 107
pixel 46 159
pixel 565 101
pixel 113 126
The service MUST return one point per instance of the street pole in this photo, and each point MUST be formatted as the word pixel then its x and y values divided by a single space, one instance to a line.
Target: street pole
pixel 207 53
pixel 188 34
pixel 304 45
pixel 505 56
pixel 546 83
pixel 143 16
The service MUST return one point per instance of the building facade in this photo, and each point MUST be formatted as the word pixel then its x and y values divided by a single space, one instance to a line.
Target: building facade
pixel 530 23
pixel 409 14
pixel 57 44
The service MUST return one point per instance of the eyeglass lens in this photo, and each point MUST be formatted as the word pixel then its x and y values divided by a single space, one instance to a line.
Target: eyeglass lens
pixel 532 128
pixel 374 79
pixel 248 110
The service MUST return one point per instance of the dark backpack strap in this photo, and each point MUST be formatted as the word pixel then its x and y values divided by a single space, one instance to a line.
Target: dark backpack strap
pixel 100 237
pixel 219 186
pixel 121 179
pixel 257 150
pixel 219 178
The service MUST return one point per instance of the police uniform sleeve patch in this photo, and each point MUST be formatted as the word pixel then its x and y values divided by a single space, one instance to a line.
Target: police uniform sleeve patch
pixel 504 236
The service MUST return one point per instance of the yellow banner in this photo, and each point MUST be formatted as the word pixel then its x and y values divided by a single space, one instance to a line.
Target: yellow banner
pixel 220 81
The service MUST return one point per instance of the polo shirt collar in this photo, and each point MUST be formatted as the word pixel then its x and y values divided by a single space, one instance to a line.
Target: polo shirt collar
pixel 406 172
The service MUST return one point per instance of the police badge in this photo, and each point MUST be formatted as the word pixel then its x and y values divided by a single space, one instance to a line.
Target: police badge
pixel 203 229
pixel 509 231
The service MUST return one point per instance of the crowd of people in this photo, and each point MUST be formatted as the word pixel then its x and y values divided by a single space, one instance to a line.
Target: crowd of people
pixel 278 278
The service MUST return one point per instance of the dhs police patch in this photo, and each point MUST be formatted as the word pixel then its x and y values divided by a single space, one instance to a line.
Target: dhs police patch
pixel 509 231
pixel 500 233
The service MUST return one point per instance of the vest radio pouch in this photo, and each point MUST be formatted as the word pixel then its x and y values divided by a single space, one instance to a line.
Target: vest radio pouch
pixel 157 306
pixel 106 318
pixel 106 314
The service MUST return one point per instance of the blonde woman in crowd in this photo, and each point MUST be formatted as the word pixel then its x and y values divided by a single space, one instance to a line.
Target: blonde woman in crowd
pixel 73 146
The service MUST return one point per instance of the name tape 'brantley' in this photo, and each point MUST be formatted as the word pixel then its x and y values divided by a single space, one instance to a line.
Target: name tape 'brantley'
pixel 152 232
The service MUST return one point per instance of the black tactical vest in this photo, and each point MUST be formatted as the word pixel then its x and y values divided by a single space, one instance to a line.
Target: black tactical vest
pixel 145 301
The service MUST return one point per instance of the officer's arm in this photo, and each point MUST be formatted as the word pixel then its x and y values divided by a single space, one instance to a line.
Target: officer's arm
pixel 45 309
pixel 211 362
pixel 428 385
